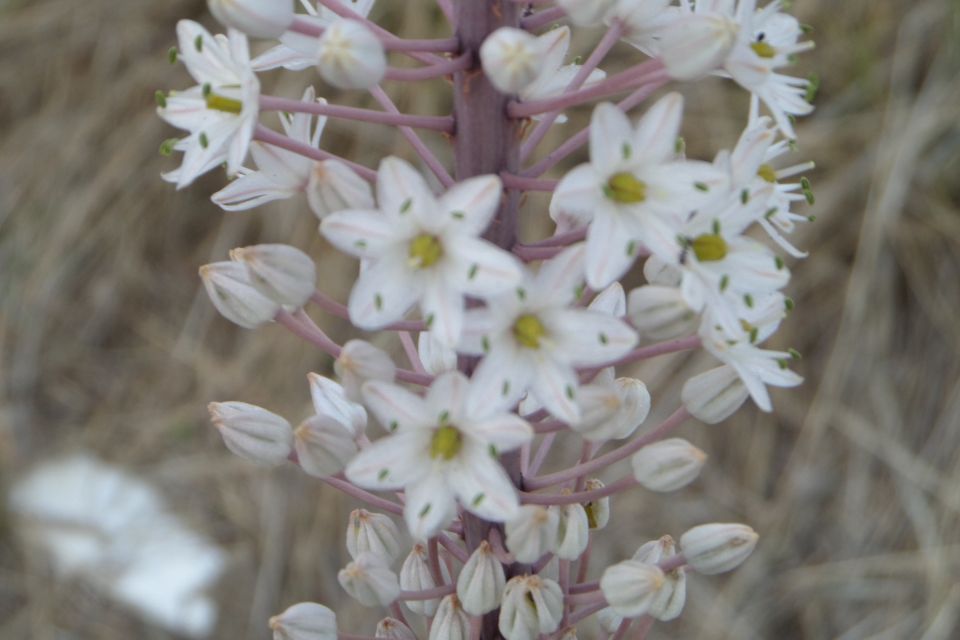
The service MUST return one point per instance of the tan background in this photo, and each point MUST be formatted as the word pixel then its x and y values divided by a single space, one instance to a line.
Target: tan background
pixel 107 345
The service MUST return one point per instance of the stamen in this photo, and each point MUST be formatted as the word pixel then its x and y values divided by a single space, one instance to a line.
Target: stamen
pixel 446 443
pixel 528 330
pixel 425 250
pixel 709 247
pixel 222 103
pixel 625 188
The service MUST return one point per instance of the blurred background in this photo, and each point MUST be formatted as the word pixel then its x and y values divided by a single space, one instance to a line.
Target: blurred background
pixel 108 346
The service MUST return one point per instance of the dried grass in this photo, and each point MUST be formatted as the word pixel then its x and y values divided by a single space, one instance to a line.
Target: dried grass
pixel 107 344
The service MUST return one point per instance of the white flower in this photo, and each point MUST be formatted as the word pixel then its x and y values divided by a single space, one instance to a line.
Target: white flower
pixel 369 580
pixel 330 400
pixel 611 408
pixel 439 453
pixel 231 292
pixel 393 629
pixel 251 432
pixel 511 58
pixel 714 395
pixel 481 581
pixel 323 446
pixel 415 575
pixel 220 112
pixel 631 587
pixel 333 186
pixel 553 76
pixel 532 532
pixel 531 606
pixel 373 533
pixel 280 173
pixel 534 340
pixel 450 623
pixel 573 531
pixel 281 272
pixel 696 44
pixel 419 248
pixel 305 621
pixel 715 548
pixel 667 465
pixel 360 361
pixel 660 313
pixel 632 188
pixel 257 18
pixel 673 594
pixel 350 56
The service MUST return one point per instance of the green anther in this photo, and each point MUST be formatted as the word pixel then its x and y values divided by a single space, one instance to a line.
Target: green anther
pixel 763 49
pixel 680 146
pixel 724 282
pixel 591 510
pixel 813 86
pixel 626 151
pixel 446 443
pixel 625 188
pixel 744 196
pixel 206 89
pixel 204 140
pixel 425 250
pixel 198 43
pixel 701 186
pixel 172 55
pixel 528 330
pixel 167 146
pixel 161 99
pixel 220 103
pixel 768 173
pixel 709 247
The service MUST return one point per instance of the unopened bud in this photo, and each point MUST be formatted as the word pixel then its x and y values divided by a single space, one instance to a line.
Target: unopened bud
pixel 305 621
pixel 532 532
pixel 360 361
pixel 585 13
pixel 257 18
pixel 511 58
pixel 715 548
pixel 349 55
pixel 323 446
pixel 531 606
pixel 415 575
pixel 598 511
pixel 369 532
pixel 251 432
pixel 329 399
pixel 369 580
pixel 660 313
pixel 281 272
pixel 714 395
pixel 631 587
pixel 695 45
pixel 667 465
pixel 573 531
pixel 660 272
pixel 451 622
pixel 435 357
pixel 393 629
pixel 611 409
pixel 673 594
pixel 333 186
pixel 611 301
pixel 481 582
pixel 231 292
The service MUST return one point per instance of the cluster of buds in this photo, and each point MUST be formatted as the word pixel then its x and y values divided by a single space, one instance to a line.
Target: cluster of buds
pixel 509 345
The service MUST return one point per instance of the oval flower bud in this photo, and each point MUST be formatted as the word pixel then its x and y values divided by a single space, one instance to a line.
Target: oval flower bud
pixel 660 313
pixel 393 629
pixel 349 55
pixel 481 581
pixel 415 575
pixel 281 272
pixel 631 587
pixel 532 532
pixel 598 511
pixel 231 292
pixel 714 395
pixel 715 548
pixel 435 357
pixel 531 606
pixel 329 399
pixel 251 432
pixel 451 622
pixel 694 45
pixel 369 532
pixel 369 580
pixel 667 465
pixel 360 361
pixel 323 446
pixel 573 531
pixel 662 273
pixel 333 186
pixel 257 18
pixel 511 58
pixel 673 594
pixel 305 621
pixel 611 409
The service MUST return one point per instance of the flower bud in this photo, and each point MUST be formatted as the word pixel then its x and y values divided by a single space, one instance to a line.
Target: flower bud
pixel 611 409
pixel 715 548
pixel 673 594
pixel 257 18
pixel 349 55
pixel 532 532
pixel 573 531
pixel 373 533
pixel 598 511
pixel 660 272
pixel 393 629
pixel 305 621
pixel 611 301
pixel 481 581
pixel 323 446
pixel 511 58
pixel 435 357
pixel 695 45
pixel 333 186
pixel 231 292
pixel 329 399
pixel 585 13
pixel 369 580
pixel 450 623
pixel 667 465
pixel 660 313
pixel 531 606
pixel 281 272
pixel 713 396
pixel 251 432
pixel 360 361
pixel 631 587
pixel 415 575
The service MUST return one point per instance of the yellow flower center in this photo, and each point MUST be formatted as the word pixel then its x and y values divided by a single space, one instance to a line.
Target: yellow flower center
pixel 446 443
pixel 625 188
pixel 763 49
pixel 222 103
pixel 528 330
pixel 425 251
pixel 768 173
pixel 709 247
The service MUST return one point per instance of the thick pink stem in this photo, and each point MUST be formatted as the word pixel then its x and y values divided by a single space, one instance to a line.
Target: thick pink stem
pixel 430 72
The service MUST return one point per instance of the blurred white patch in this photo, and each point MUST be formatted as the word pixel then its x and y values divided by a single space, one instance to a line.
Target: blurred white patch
pixel 113 530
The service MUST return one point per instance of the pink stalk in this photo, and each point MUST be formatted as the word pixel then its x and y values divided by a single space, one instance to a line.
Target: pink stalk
pixel 581 137
pixel 390 42
pixel 586 598
pixel 263 134
pixel 512 181
pixel 365 496
pixel 434 123
pixel 584 587
pixel 418 145
pixel 453 548
pixel 559 240
pixel 653 350
pixel 334 308
pixel 410 348
pixel 643 628
pixel 673 563
pixel 428 594
pixel 532 254
pixel 499 549
pixel 579 497
pixel 583 564
pixel 433 554
pixel 296 327
pixel 622 630
pixel 563 575
pixel 549 426
pixel 541 454
pixel 600 52
pixel 677 418
pixel 586 612
pixel 397 612
pixel 447 8
pixel 542 19
pixel 439 70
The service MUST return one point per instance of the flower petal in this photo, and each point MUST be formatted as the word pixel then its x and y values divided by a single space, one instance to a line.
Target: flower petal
pixel 396 408
pixel 483 487
pixel 590 338
pixel 383 294
pixel 657 131
pixel 611 139
pixel 430 507
pixel 364 234
pixel 555 386
pixel 482 269
pixel 472 203
pixel 389 463
pixel 401 190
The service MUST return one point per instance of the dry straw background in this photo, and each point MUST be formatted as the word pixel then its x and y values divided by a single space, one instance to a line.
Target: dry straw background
pixel 107 344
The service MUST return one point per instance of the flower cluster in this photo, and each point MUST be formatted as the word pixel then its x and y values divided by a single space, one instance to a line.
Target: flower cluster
pixel 510 345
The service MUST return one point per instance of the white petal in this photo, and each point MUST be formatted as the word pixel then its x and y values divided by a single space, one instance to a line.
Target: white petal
pixel 611 139
pixel 365 234
pixel 498 382
pixel 443 308
pixel 561 277
pixel 577 194
pixel 612 247
pixel 484 488
pixel 250 190
pixel 429 508
pixel 384 293
pixel 589 338
pixel 395 408
pixel 447 395
pixel 402 191
pixel 481 269
pixel 555 386
pixel 505 431
pixel 657 130
pixel 472 203
pixel 611 301
pixel 389 463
